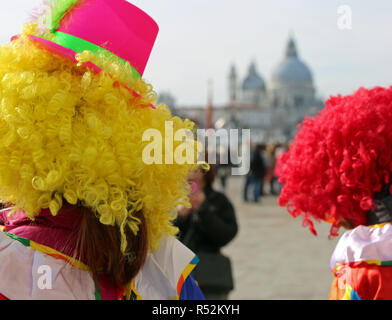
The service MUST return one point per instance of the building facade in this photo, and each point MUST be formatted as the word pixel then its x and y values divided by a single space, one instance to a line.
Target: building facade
pixel 271 109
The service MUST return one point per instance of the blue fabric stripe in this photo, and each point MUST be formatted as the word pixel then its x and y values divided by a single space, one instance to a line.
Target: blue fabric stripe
pixel 354 295
pixel 190 290
pixel 195 260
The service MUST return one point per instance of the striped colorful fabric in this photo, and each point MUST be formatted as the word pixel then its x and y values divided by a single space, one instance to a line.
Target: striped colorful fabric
pixel 173 263
pixel 186 273
pixel 362 264
pixel 22 272
pixel 162 276
pixel 49 251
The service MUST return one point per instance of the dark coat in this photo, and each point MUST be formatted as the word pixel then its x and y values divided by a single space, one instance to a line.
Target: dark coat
pixel 257 165
pixel 214 224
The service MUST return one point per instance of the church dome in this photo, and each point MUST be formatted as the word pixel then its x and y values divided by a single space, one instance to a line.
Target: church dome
pixel 292 70
pixel 253 80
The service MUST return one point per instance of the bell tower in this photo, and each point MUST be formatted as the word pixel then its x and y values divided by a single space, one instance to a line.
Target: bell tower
pixel 233 85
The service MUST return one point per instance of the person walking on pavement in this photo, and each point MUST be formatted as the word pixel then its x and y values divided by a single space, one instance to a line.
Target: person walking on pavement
pixel 256 174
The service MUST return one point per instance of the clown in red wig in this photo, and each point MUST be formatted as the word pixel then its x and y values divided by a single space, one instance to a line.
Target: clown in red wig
pixel 339 170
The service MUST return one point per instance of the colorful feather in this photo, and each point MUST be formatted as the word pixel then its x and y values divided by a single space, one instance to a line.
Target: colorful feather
pixel 49 16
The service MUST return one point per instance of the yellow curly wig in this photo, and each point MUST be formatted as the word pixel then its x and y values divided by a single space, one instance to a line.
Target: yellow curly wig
pixel 69 133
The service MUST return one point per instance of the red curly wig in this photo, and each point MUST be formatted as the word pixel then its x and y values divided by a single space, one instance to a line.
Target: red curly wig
pixel 340 159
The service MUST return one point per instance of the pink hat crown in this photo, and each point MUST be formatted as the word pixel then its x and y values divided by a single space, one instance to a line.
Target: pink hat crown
pixel 114 26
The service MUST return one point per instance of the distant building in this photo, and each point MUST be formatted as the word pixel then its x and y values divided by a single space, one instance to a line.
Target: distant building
pixel 271 110
pixel 168 99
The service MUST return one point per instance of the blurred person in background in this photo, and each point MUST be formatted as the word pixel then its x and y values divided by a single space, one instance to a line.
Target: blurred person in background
pixel 205 228
pixel 280 151
pixel 267 167
pixel 223 167
pixel 271 179
pixel 256 175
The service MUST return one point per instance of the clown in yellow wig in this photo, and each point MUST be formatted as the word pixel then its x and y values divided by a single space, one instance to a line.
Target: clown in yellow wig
pixel 73 110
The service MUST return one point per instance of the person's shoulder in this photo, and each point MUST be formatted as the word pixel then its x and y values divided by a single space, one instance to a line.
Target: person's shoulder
pixel 165 270
pixel 213 193
pixel 218 196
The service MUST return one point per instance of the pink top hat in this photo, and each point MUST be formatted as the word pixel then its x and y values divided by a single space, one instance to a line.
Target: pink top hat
pixel 115 27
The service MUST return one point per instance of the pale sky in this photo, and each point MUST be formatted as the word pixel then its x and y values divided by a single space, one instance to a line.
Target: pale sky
pixel 201 39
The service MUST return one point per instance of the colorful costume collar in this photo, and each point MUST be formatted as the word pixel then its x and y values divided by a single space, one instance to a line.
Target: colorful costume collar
pixel 361 264
pixel 370 244
pixel 161 277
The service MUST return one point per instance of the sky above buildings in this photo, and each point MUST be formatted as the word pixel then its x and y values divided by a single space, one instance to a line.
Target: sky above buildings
pixel 200 40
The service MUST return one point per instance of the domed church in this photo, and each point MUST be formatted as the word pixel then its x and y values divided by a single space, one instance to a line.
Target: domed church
pixel 292 81
pixel 283 102
pixel 271 109
pixel 253 87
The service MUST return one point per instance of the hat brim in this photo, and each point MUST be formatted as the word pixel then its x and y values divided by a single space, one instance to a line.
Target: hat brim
pixel 70 55
pixel 64 52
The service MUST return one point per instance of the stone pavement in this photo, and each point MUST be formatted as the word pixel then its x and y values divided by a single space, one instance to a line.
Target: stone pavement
pixel 273 256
